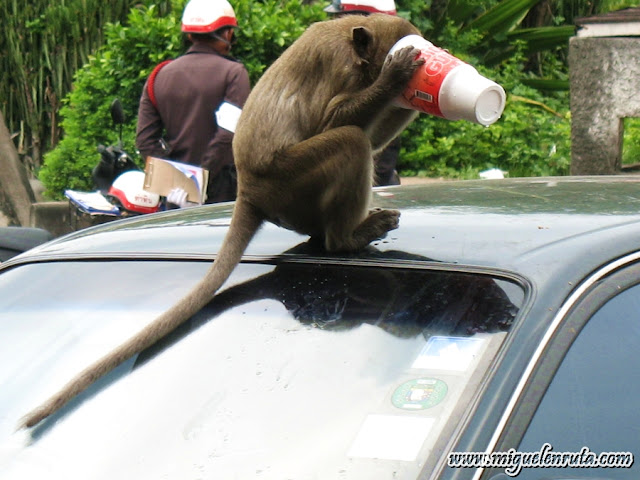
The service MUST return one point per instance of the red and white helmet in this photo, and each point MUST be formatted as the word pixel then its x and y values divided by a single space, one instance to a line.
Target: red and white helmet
pixel 128 190
pixel 362 6
pixel 206 16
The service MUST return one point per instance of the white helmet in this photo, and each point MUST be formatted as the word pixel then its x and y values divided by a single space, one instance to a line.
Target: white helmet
pixel 362 6
pixel 206 16
pixel 129 192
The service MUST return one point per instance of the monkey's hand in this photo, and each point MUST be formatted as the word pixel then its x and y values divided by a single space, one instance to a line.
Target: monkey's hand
pixel 399 68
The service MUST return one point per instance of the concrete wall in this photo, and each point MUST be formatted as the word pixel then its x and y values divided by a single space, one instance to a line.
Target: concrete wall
pixel 605 88
pixel 59 218
pixel 21 200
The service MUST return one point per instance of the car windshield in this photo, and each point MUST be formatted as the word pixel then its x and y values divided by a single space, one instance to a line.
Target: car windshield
pixel 294 370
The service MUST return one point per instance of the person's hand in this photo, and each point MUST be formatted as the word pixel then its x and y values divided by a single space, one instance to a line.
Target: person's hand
pixel 178 196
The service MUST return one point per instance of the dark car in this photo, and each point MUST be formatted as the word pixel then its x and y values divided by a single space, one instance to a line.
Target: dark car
pixel 495 333
pixel 16 240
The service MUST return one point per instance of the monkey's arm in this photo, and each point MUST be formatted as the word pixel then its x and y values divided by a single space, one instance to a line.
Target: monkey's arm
pixel 364 107
pixel 390 125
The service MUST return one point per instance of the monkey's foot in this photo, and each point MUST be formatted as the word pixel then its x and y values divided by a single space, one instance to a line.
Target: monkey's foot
pixel 376 225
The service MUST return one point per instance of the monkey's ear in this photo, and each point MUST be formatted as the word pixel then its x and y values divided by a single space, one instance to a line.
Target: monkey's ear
pixel 362 39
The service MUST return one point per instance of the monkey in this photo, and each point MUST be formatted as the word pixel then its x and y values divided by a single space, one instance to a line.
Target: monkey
pixel 303 149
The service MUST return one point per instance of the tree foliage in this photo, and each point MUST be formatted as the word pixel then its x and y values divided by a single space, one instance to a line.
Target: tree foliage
pixel 120 68
pixel 533 136
pixel 42 44
pixel 521 44
pixel 531 139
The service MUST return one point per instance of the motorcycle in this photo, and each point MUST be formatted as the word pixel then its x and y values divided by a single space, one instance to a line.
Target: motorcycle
pixel 119 182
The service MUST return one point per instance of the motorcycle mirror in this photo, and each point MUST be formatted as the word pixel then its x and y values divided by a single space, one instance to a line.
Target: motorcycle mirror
pixel 117 113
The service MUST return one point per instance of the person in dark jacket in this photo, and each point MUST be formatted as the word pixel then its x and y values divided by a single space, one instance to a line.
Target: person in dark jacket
pixel 189 106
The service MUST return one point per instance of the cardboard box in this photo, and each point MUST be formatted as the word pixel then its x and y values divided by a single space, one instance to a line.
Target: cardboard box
pixel 162 176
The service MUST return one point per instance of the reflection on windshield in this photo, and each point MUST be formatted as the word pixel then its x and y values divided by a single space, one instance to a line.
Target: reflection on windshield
pixel 401 301
pixel 403 349
pixel 325 371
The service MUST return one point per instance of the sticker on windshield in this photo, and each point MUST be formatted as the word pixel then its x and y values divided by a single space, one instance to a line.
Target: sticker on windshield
pixel 419 394
pixel 448 353
pixel 391 437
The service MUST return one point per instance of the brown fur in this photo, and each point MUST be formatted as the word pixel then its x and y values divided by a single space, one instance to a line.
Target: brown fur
pixel 303 150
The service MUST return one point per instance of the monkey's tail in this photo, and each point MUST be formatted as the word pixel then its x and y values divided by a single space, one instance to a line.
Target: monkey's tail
pixel 245 222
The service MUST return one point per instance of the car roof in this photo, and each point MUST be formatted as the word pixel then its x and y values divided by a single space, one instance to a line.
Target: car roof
pixel 526 225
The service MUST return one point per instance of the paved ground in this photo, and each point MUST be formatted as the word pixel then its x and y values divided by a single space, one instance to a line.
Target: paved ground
pixel 418 180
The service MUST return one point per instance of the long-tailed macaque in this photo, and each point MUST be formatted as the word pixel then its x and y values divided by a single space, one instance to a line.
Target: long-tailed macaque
pixel 303 150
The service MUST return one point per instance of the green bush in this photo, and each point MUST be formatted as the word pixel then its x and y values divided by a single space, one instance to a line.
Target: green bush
pixel 532 138
pixel 631 141
pixel 526 141
pixel 268 27
pixel 120 68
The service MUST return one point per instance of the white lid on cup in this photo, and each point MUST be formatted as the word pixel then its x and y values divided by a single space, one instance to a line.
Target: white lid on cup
pixel 467 95
pixel 490 105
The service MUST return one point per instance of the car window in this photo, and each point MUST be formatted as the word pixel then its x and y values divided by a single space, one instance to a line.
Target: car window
pixel 294 370
pixel 592 401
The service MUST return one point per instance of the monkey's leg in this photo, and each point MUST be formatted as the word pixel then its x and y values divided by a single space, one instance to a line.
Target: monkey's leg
pixel 336 169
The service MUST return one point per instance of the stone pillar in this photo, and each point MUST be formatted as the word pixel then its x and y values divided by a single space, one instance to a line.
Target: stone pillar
pixel 605 87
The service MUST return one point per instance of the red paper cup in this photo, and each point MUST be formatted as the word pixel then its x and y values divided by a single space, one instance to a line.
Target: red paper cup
pixel 447 87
